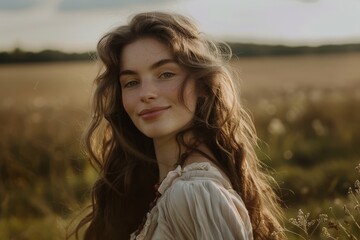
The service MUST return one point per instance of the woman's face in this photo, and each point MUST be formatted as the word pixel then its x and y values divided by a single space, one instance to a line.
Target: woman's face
pixel 150 83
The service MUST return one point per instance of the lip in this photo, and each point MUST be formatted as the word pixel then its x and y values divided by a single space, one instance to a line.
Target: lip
pixel 151 113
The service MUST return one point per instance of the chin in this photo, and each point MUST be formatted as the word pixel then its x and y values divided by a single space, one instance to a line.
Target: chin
pixel 162 130
pixel 158 132
pixel 155 134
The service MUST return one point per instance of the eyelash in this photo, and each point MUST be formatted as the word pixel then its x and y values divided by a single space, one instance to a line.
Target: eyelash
pixel 163 75
pixel 130 84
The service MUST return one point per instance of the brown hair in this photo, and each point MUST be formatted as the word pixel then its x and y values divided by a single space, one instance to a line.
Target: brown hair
pixel 125 157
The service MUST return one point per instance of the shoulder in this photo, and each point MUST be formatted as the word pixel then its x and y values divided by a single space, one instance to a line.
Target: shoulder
pixel 199 178
pixel 201 199
pixel 204 171
pixel 206 191
pixel 202 186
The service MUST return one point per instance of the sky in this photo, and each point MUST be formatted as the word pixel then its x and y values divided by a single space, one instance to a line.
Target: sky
pixel 77 25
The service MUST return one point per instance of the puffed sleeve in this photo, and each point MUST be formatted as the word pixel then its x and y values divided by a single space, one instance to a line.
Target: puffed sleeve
pixel 203 209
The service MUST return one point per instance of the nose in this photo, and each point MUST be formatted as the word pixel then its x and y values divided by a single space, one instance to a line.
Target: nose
pixel 148 92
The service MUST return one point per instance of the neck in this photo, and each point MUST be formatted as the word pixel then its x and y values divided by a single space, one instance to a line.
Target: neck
pixel 167 153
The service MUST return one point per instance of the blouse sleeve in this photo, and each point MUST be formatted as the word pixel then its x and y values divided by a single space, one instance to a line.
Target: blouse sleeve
pixel 203 209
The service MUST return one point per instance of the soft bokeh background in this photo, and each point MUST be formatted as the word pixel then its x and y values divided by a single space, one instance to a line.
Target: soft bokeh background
pixel 305 105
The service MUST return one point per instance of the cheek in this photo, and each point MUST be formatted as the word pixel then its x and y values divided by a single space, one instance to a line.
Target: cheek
pixel 128 104
pixel 190 96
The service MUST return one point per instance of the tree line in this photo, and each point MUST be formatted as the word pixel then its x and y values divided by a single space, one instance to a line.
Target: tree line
pixel 20 56
pixel 239 50
pixel 246 50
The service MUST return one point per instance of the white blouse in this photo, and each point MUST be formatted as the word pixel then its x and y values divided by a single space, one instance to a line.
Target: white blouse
pixel 197 202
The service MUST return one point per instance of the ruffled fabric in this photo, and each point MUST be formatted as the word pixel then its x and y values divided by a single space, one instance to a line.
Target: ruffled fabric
pixel 197 202
pixel 171 176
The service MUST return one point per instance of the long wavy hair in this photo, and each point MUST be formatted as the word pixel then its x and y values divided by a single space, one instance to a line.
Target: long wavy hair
pixel 126 158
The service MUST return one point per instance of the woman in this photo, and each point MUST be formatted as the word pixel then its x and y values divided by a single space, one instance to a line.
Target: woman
pixel 166 114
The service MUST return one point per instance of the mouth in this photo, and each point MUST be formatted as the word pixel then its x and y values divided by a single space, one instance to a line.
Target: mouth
pixel 152 112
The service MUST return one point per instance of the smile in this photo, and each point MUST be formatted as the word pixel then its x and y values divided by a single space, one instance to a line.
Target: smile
pixel 151 113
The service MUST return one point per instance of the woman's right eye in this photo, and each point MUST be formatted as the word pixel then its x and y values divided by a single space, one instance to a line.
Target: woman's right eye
pixel 130 84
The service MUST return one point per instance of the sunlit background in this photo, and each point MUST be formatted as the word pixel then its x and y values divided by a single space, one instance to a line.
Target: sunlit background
pixel 76 25
pixel 304 96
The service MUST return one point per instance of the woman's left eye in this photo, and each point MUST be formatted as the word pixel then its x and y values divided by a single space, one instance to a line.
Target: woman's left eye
pixel 166 75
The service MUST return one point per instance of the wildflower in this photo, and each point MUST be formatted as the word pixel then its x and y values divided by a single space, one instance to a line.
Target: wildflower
pixel 276 127
pixel 323 218
pixel 319 127
pixel 358 168
pixel 325 232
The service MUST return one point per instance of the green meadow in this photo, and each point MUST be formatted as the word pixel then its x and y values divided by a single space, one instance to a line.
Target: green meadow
pixel 306 110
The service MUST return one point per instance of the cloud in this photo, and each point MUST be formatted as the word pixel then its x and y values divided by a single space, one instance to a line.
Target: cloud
pixel 74 5
pixel 18 4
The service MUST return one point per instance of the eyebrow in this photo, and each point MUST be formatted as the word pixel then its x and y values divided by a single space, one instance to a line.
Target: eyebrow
pixel 153 66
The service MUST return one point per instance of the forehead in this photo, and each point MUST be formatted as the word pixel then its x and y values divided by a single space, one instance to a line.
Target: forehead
pixel 143 52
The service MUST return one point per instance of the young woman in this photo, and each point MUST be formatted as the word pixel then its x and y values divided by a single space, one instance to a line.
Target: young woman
pixel 166 113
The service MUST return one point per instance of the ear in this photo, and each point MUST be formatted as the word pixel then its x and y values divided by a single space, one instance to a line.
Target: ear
pixel 200 89
pixel 201 98
pixel 200 102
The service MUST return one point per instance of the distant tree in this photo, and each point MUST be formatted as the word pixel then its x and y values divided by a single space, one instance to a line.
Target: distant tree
pixel 48 55
pixel 239 49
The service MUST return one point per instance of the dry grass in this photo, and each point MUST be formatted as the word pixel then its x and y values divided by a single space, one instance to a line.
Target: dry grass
pixel 44 107
pixel 52 84
pixel 328 71
pixel 62 83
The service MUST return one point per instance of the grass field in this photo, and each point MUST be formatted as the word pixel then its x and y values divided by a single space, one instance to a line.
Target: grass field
pixel 306 110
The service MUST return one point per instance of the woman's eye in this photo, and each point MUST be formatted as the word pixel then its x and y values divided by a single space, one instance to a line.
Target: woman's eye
pixel 166 75
pixel 130 84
